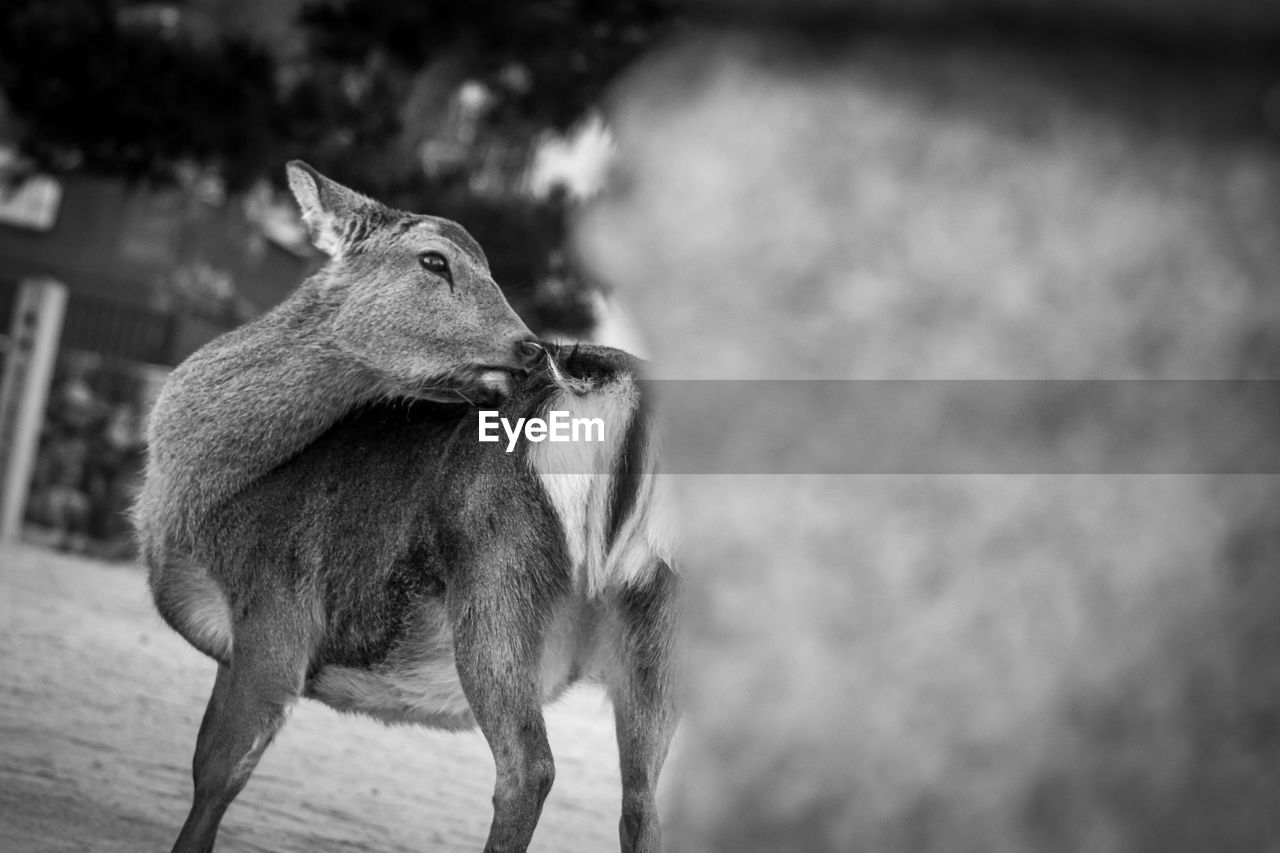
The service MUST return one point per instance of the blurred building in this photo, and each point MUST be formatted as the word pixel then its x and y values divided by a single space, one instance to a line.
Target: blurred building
pixel 152 273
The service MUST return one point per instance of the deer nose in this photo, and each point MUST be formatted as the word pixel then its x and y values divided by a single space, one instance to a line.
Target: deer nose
pixel 528 351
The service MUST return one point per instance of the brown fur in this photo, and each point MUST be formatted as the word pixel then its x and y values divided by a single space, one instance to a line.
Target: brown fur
pixel 316 526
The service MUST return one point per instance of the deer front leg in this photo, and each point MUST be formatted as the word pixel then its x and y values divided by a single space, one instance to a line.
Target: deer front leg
pixel 642 689
pixel 497 652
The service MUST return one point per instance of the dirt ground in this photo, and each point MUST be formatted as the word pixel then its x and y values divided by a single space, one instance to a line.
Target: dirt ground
pixel 98 715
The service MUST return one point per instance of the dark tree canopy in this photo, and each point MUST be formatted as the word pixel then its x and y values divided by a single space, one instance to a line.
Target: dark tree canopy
pixel 95 93
pixel 570 50
pixel 139 90
pixel 99 89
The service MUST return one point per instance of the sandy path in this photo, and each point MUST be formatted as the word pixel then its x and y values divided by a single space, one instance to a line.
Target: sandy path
pixel 99 707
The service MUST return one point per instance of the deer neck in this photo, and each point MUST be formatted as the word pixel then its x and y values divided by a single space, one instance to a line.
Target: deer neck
pixel 249 403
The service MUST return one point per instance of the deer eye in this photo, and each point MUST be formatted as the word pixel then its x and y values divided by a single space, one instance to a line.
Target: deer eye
pixel 436 263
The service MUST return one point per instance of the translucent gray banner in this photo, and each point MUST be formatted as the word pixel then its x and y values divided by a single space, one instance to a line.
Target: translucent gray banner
pixel 968 427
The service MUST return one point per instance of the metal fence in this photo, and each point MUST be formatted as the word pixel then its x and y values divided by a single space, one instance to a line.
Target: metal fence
pixel 116 330
pixel 110 362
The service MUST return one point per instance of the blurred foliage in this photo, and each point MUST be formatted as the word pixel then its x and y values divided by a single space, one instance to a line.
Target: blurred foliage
pixel 91 454
pixel 547 60
pixel 152 91
pixel 1240 24
pixel 523 239
pixel 97 94
pixel 140 95
pixel 543 65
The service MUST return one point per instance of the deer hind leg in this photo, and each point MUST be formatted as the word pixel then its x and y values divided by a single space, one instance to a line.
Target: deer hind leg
pixel 497 644
pixel 212 713
pixel 247 708
pixel 642 688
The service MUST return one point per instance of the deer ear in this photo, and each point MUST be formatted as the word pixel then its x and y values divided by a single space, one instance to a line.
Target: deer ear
pixel 330 211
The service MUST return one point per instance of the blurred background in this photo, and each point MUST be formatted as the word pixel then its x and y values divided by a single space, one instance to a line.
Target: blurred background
pixel 143 211
pixel 142 147
pixel 782 189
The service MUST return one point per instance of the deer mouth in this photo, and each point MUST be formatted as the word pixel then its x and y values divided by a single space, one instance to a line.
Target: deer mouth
pixel 499 382
pixel 481 384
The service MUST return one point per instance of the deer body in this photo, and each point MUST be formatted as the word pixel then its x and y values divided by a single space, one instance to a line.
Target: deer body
pixel 320 519
pixel 369 527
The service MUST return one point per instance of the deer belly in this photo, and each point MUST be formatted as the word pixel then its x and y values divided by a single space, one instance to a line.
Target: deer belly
pixel 419 682
pixel 424 692
pixel 569 651
pixel 416 683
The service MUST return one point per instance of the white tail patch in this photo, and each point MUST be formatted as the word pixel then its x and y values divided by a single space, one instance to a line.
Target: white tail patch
pixel 578 479
pixel 644 535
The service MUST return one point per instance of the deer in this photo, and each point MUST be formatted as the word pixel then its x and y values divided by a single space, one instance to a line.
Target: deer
pixel 318 517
